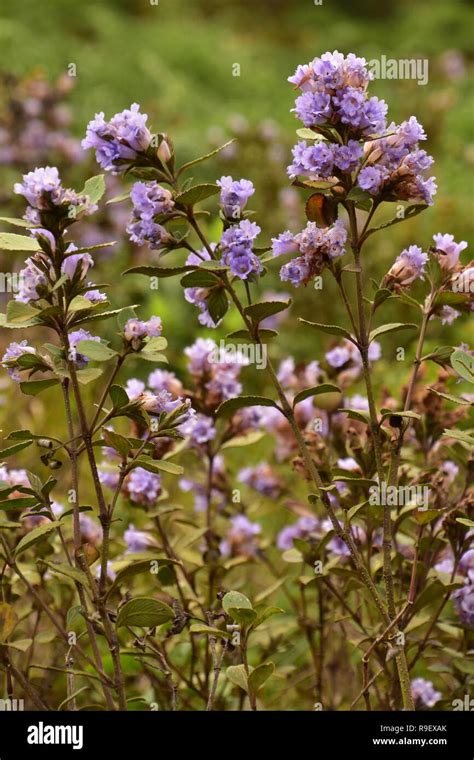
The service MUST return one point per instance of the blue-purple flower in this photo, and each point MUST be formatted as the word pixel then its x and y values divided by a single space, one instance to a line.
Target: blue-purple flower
pixel 118 142
pixel 234 195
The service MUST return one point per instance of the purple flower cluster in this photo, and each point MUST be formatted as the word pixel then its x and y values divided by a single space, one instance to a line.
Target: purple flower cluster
pixel 43 190
pixel 199 428
pixel 149 200
pixel 394 165
pixel 12 352
pixel 143 487
pixel 214 369
pixel 324 159
pixel 334 92
pixel 241 539
pixel 316 245
pixel 136 540
pixel 424 692
pixel 137 330
pixel 120 141
pixel 30 282
pixel 234 196
pixel 262 479
pixel 463 600
pixel 300 529
pixel 236 245
pixel 348 354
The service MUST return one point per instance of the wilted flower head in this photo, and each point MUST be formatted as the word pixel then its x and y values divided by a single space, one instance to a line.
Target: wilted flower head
pixel 408 266
pixel 316 246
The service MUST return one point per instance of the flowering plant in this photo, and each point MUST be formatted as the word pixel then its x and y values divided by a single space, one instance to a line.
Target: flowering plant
pixel 384 512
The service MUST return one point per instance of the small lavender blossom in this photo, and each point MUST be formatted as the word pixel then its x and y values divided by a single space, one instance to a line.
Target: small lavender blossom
pixel 296 272
pixel 74 338
pixel 198 355
pixel 150 199
pixel 119 142
pixel 199 428
pixel 136 540
pixel 424 692
pixel 31 279
pixel 358 402
pixel 408 266
pixel 301 529
pixel 234 195
pixel 134 328
pixel 284 243
pixel 90 529
pixel 348 463
pixel 448 250
pixel 13 351
pixel 337 357
pixel 262 479
pixel 39 186
pixel 142 486
pixel 448 315
pixel 241 538
pixel 134 388
pixel 94 295
pixel 78 263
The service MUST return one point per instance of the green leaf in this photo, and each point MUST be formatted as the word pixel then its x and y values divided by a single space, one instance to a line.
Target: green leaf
pixel 239 607
pixel 263 309
pixel 88 374
pixel 118 396
pixel 237 675
pixel 160 271
pixel 465 521
pixel 22 502
pixel 36 535
pixel 410 212
pixel 74 573
pixel 307 134
pixel 316 390
pixel 380 296
pixel 393 327
pixel 94 188
pixel 450 397
pixel 329 329
pixel 20 312
pixel 138 567
pixel 144 612
pixel 264 615
pixel 263 334
pixel 158 465
pixel 217 304
pixel 8 620
pixel 199 279
pixel 459 435
pixel 205 157
pixel 463 364
pixel 80 303
pixel 356 414
pixel 33 387
pixel 16 222
pixel 259 675
pixel 232 405
pixel 244 440
pixel 117 442
pixel 94 350
pixel 10 241
pixel 196 194
pixel 4 453
pixel 21 644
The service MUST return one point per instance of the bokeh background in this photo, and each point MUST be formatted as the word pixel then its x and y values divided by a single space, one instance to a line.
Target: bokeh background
pixel 177 58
